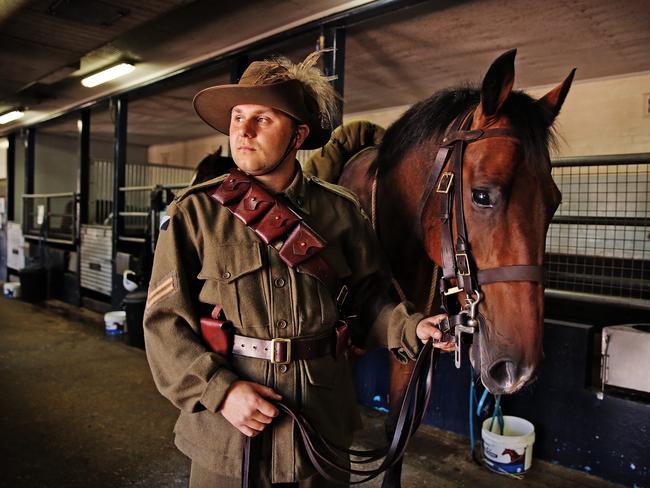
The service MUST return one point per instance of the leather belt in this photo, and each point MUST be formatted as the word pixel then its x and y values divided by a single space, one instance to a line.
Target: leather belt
pixel 284 350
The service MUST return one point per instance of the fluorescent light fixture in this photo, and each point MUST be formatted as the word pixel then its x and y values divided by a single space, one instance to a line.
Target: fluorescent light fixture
pixel 11 116
pixel 107 75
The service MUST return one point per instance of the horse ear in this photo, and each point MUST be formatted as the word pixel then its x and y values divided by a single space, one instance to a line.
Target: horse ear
pixel 497 83
pixel 217 153
pixel 554 99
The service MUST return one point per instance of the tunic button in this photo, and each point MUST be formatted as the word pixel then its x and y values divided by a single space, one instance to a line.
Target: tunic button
pixel 283 368
pixel 282 324
pixel 279 282
pixel 225 275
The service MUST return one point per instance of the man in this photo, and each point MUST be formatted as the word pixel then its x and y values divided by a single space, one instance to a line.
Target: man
pixel 208 256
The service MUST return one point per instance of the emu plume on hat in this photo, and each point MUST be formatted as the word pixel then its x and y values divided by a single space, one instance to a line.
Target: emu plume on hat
pixel 299 90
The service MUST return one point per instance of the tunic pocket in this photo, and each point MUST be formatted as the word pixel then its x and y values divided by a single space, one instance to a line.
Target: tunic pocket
pixel 233 279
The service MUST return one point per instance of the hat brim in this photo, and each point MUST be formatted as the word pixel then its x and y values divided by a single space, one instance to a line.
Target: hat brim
pixel 214 104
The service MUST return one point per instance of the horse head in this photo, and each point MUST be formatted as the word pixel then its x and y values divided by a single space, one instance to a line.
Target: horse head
pixel 508 198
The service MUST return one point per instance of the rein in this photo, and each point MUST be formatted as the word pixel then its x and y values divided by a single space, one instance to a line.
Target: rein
pixel 459 271
pixel 329 459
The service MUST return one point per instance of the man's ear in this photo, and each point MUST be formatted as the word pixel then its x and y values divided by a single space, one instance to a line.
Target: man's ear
pixel 301 133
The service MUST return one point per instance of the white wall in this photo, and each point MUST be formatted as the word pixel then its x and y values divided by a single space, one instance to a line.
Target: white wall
pixel 188 153
pixel 602 116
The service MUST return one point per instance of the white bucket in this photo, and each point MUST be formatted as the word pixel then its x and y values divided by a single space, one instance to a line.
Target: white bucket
pixel 11 290
pixel 511 452
pixel 115 322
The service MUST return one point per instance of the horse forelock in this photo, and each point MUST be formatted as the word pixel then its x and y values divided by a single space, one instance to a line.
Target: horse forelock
pixel 428 119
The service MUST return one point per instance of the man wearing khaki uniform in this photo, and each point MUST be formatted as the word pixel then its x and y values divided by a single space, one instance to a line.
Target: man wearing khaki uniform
pixel 206 256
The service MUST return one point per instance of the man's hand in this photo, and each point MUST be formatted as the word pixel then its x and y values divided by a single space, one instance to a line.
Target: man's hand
pixel 247 409
pixel 427 329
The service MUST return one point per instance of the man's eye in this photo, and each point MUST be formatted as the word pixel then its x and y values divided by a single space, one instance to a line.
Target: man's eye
pixel 482 198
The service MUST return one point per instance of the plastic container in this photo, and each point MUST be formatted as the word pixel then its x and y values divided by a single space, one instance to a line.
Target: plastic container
pixel 114 322
pixel 33 283
pixel 11 290
pixel 134 304
pixel 512 451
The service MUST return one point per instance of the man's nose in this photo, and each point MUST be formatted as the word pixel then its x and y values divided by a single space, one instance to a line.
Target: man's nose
pixel 246 129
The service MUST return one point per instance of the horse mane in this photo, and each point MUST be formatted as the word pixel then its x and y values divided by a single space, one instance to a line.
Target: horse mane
pixel 211 166
pixel 430 118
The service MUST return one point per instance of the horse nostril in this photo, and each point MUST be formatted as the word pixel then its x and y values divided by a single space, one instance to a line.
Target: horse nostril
pixel 504 373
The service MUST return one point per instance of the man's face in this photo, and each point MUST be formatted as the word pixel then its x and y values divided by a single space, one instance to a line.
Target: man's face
pixel 259 136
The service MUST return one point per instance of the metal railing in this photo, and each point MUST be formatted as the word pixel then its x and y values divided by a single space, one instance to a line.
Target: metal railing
pixel 137 175
pixel 598 243
pixel 141 220
pixel 51 217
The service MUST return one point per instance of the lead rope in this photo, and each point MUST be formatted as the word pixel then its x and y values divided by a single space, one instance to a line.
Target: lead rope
pixel 396 285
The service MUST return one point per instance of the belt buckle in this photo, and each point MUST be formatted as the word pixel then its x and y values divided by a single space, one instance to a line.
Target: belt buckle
pixel 464 269
pixel 277 341
pixel 444 184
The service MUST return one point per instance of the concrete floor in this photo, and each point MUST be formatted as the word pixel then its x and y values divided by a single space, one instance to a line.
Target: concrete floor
pixel 79 409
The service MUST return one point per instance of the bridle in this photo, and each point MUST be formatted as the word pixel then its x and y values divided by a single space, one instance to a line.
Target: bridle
pixel 459 270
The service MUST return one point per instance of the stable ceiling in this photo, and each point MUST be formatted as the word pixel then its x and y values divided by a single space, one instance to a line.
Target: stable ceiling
pixel 391 60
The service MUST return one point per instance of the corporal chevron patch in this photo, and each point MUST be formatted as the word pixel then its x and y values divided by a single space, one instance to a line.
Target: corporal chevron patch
pixel 163 289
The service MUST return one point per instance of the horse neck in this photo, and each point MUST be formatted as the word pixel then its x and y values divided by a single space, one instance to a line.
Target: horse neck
pixel 398 199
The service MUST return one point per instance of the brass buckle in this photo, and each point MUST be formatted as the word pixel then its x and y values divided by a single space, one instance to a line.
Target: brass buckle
pixel 462 256
pixel 444 184
pixel 276 341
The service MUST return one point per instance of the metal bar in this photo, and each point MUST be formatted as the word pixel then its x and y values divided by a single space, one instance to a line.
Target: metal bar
pixel 596 220
pixel 141 240
pixel 30 154
pixel 48 239
pixel 134 214
pixel 332 41
pixel 11 175
pixel 136 188
pixel 83 181
pixel 237 67
pixel 119 177
pixel 636 303
pixel 609 159
pixel 348 17
pixel 50 195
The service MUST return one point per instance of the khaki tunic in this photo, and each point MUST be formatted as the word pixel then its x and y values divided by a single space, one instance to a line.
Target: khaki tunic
pixel 204 257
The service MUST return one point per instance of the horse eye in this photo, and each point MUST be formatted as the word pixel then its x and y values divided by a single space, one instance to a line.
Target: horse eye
pixel 482 198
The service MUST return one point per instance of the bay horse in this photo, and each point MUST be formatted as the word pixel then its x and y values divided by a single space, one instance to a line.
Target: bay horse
pixel 211 166
pixel 508 198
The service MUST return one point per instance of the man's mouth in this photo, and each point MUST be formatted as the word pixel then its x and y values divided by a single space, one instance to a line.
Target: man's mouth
pixel 246 148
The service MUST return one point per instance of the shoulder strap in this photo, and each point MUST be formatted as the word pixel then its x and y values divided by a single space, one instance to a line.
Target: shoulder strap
pixel 337 190
pixel 201 186
pixel 274 221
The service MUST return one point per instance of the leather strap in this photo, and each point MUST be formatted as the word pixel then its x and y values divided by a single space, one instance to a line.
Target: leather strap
pixel 284 350
pixel 330 460
pixel 272 221
pixel 512 273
